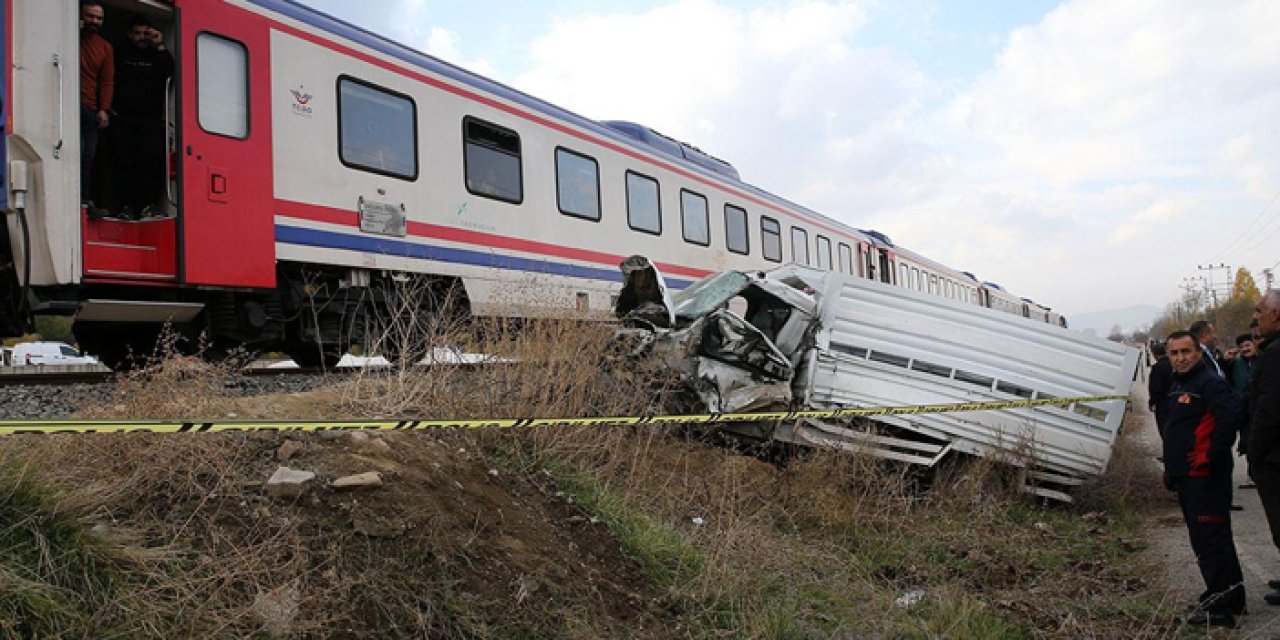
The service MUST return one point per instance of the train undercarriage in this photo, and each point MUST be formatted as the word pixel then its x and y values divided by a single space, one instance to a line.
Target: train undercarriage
pixel 315 315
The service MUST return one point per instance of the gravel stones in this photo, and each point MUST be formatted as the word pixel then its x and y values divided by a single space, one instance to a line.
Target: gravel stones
pixel 56 402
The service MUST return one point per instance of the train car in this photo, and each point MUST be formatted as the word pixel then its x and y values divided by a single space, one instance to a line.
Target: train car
pixel 314 170
pixel 920 273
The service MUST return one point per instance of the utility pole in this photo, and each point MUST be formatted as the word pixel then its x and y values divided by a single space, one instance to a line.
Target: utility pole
pixel 1213 291
pixel 1189 284
pixel 1269 275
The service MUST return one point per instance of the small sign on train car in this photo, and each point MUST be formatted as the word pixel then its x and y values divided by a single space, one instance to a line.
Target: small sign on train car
pixel 382 218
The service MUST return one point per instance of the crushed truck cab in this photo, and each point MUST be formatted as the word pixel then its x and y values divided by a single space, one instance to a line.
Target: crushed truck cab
pixel 802 338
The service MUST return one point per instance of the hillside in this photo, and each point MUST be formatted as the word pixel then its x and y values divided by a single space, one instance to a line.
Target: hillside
pixel 568 533
pixel 1127 318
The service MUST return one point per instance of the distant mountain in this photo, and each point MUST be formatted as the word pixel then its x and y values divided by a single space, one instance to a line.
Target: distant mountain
pixel 1129 318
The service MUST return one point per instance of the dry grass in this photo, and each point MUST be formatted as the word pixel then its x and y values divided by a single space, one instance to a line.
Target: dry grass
pixel 714 543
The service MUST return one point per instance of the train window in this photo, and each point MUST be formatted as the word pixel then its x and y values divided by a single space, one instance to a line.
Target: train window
pixel 377 129
pixel 770 239
pixel 577 184
pixel 904 276
pixel 695 218
pixel 933 283
pixel 845 255
pixel 735 229
pixel 644 210
pixel 222 77
pixel 799 245
pixel 916 282
pixel 492 161
pixel 824 253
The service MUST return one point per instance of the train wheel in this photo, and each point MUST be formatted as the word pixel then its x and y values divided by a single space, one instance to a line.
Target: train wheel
pixel 314 356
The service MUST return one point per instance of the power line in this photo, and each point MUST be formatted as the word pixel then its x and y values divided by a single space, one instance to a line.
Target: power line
pixel 1250 227
pixel 1261 241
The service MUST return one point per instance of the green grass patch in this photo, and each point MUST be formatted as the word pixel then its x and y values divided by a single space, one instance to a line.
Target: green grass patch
pixel 54 577
pixel 663 554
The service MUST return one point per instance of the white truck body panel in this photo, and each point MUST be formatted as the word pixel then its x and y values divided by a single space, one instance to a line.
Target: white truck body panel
pixel 880 345
pixel 810 339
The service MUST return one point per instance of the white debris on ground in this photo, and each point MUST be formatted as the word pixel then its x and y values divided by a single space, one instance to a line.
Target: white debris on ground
pixel 438 355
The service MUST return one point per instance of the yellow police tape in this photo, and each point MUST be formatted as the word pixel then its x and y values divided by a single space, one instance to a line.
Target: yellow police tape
pixel 20 427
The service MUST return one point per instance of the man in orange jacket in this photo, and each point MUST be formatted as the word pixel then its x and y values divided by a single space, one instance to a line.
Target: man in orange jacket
pixel 97 88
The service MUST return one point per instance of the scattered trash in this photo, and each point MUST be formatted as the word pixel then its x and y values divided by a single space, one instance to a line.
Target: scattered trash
pixel 698 521
pixel 909 599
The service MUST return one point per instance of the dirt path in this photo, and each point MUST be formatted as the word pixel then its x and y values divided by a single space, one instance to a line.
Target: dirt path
pixel 1258 555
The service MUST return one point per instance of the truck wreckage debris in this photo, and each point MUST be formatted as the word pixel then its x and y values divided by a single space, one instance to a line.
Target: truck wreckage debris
pixel 799 338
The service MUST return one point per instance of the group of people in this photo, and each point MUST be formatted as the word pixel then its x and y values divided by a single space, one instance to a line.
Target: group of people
pixel 1207 403
pixel 123 97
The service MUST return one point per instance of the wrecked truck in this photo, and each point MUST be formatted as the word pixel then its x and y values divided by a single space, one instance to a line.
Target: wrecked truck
pixel 797 338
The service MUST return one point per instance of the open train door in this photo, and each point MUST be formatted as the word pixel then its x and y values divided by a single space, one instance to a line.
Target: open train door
pixel 226 227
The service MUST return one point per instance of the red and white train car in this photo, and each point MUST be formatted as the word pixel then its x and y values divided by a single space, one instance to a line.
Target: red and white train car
pixel 312 165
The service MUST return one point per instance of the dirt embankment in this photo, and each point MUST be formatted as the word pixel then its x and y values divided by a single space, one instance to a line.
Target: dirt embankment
pixel 570 533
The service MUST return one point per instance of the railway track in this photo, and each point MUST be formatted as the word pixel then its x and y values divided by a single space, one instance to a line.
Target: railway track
pixel 56 376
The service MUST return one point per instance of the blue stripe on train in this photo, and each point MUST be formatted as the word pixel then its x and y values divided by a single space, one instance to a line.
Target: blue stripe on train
pixel 400 248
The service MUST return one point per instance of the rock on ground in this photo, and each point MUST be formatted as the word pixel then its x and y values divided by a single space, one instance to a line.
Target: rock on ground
pixel 288 483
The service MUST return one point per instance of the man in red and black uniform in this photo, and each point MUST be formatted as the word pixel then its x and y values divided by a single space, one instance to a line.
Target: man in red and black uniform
pixel 1202 422
pixel 97 88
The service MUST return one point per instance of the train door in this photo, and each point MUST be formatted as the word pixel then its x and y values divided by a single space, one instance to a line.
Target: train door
pixel 226 226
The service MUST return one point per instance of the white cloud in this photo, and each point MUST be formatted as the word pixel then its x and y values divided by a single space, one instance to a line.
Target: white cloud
pixel 1153 222
pixel 446 45
pixel 1063 171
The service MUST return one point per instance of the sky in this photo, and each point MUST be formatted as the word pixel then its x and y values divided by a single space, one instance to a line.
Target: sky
pixel 1088 154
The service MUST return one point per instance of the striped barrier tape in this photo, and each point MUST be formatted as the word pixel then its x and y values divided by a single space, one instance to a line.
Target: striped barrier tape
pixel 23 427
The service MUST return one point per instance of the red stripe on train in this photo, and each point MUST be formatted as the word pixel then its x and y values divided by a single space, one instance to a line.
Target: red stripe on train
pixel 349 218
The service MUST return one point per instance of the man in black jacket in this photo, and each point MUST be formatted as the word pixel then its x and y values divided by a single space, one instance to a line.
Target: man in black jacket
pixel 1264 419
pixel 1200 428
pixel 138 137
pixel 1158 386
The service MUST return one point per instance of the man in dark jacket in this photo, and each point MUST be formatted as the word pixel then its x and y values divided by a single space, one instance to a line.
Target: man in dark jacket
pixel 1158 386
pixel 1200 429
pixel 1207 336
pixel 1264 419
pixel 142 68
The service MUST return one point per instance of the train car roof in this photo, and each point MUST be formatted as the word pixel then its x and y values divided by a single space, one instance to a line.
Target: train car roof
pixel 341 28
pixel 922 259
pixel 877 236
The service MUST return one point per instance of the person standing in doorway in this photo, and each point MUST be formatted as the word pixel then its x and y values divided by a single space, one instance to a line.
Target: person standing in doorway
pixel 97 89
pixel 143 67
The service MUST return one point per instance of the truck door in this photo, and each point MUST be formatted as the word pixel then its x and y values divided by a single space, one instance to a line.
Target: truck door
pixel 226 222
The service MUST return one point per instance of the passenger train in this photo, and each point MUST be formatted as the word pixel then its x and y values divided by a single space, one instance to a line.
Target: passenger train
pixel 312 165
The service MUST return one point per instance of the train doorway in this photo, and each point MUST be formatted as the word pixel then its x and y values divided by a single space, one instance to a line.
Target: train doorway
pixel 128 198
